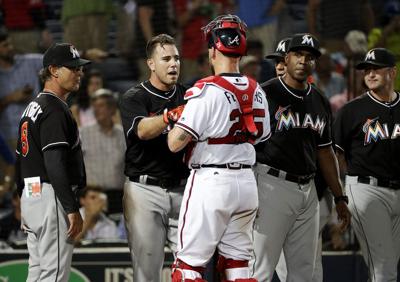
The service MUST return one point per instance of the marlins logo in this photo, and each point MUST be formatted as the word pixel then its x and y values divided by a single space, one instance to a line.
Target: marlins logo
pixel 307 39
pixel 374 131
pixel 74 52
pixel 281 47
pixel 294 120
pixel 370 56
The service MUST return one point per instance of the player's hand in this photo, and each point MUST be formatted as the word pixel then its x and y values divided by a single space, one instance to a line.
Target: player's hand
pixel 75 224
pixel 344 215
pixel 171 116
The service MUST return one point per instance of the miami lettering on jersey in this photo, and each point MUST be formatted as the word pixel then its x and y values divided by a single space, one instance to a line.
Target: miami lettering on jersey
pixel 287 119
pixel 374 131
pixel 32 111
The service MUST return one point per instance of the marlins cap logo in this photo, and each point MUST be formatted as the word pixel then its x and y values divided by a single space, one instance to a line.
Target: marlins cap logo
pixel 307 39
pixel 74 52
pixel 370 56
pixel 281 47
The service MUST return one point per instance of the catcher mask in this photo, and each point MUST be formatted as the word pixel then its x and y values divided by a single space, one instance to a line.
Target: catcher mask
pixel 227 33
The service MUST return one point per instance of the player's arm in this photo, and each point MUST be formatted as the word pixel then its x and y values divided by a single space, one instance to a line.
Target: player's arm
pixel 178 138
pixel 55 160
pixel 330 170
pixel 145 13
pixel 151 127
pixel 342 161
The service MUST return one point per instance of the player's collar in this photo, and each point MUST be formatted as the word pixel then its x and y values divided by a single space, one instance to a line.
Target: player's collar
pixel 300 94
pixel 52 94
pixel 388 105
pixel 157 92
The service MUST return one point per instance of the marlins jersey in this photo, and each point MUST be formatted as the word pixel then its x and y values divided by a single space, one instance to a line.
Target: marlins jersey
pixel 150 157
pixel 300 124
pixel 213 117
pixel 46 123
pixel 368 132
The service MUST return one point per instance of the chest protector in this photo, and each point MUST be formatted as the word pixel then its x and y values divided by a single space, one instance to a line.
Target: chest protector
pixel 248 129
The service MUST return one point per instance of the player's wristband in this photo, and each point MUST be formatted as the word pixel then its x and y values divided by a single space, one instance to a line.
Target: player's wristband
pixel 341 198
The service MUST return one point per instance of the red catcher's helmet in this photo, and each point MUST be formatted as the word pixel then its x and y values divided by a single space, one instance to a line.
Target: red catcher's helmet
pixel 227 33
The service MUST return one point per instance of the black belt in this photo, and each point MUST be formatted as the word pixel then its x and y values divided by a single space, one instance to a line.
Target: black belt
pixel 300 179
pixel 386 183
pixel 165 183
pixel 228 166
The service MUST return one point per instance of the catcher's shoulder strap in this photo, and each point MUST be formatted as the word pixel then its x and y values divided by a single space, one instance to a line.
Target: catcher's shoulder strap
pixel 245 99
pixel 198 88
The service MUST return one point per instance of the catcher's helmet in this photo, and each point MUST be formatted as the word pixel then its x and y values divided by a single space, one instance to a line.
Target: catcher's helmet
pixel 227 33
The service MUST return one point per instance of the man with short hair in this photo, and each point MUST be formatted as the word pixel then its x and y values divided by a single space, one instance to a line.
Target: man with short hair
pixel 225 115
pixel 50 168
pixel 367 132
pixel 103 146
pixel 288 212
pixel 153 195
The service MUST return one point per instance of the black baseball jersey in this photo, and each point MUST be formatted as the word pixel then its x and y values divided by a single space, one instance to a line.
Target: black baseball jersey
pixel 47 122
pixel 300 124
pixel 150 157
pixel 368 132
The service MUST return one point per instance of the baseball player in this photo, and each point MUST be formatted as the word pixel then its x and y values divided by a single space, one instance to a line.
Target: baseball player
pixel 153 194
pixel 225 114
pixel 367 132
pixel 50 168
pixel 279 56
pixel 286 163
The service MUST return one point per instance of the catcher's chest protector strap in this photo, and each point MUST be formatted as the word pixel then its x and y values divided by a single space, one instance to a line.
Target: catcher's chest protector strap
pixel 245 99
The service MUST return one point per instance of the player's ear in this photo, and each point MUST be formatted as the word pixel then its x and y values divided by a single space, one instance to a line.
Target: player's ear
pixel 53 71
pixel 286 59
pixel 150 64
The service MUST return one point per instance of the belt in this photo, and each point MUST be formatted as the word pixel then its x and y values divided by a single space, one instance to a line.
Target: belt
pixel 228 166
pixel 165 183
pixel 300 179
pixel 381 182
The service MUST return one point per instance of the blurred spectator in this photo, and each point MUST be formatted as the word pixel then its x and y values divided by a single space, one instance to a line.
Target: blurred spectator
pixel 126 12
pixel 81 107
pixel 203 69
pixel 7 168
pixel 292 18
pixel 86 23
pixel 331 20
pixel 325 78
pixel 250 66
pixel 255 48
pixel 96 225
pixel 10 221
pixel 103 146
pixel 152 18
pixel 261 20
pixel 122 229
pixel 192 15
pixel 389 36
pixel 19 84
pixel 25 21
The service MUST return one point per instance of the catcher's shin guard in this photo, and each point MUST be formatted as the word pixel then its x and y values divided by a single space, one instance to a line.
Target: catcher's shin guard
pixel 181 270
pixel 234 270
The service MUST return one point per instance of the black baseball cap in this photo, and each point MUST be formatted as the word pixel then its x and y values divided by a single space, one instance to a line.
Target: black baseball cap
pixel 378 57
pixel 281 49
pixel 305 41
pixel 63 54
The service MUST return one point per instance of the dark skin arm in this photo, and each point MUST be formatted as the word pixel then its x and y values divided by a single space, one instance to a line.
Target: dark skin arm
pixel 330 170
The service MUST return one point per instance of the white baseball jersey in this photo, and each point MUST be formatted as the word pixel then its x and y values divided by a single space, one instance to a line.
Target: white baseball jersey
pixel 214 112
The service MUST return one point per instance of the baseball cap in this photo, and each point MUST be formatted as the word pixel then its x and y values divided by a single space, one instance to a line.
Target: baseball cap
pixel 379 57
pixel 63 54
pixel 305 41
pixel 281 49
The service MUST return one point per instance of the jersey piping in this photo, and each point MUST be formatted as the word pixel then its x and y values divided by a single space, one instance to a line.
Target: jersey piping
pixel 133 122
pixel 54 144
pixel 394 103
pixel 155 94
pixel 291 92
pixel 51 94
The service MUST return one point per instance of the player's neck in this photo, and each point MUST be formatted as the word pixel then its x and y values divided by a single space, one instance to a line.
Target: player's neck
pixel 294 83
pixel 157 83
pixel 384 95
pixel 226 65
pixel 56 90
